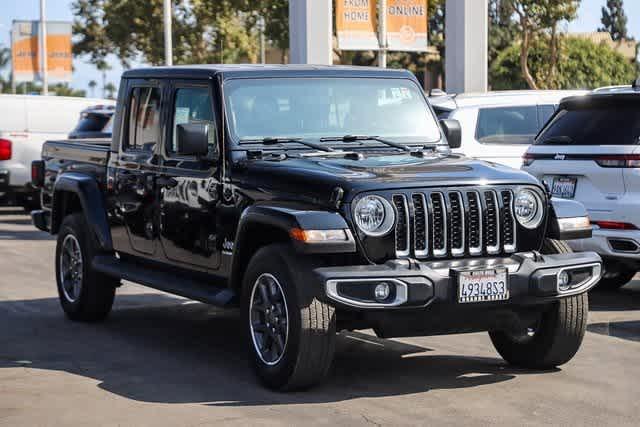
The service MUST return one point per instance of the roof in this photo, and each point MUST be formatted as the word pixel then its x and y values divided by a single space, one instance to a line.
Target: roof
pixel 263 70
pixel 602 98
pixel 503 98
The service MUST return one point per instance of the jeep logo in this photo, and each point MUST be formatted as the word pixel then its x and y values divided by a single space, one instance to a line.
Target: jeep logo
pixel 559 157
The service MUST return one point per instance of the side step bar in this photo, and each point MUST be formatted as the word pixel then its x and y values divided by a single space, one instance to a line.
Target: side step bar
pixel 185 287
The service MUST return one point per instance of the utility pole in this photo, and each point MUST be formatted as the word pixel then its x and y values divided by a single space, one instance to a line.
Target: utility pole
pixel 168 45
pixel 382 33
pixel 261 25
pixel 43 48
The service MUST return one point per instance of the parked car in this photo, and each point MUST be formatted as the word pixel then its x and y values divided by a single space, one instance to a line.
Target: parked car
pixel 590 152
pixel 316 199
pixel 499 126
pixel 95 122
pixel 25 123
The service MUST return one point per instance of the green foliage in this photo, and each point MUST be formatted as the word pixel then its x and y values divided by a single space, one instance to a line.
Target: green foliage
pixel 582 65
pixel 614 20
pixel 204 31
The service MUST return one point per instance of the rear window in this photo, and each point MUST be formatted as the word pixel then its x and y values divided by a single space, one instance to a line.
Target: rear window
pixel 594 126
pixel 507 125
pixel 92 122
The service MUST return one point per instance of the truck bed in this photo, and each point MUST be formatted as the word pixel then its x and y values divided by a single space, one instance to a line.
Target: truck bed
pixel 89 156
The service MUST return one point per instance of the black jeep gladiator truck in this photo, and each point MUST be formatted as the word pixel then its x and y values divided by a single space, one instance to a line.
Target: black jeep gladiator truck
pixel 318 200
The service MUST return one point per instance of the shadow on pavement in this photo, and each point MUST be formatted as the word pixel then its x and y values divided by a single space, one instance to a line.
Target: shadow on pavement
pixel 156 348
pixel 624 299
pixel 628 330
pixel 31 234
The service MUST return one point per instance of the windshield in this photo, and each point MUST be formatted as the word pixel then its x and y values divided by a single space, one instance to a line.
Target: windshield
pixel 321 107
pixel 619 125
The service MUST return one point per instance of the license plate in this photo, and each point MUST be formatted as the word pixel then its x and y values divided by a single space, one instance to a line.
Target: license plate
pixel 483 285
pixel 564 187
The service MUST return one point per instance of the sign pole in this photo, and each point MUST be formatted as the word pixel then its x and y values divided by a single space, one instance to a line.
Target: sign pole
pixel 43 48
pixel 382 33
pixel 168 45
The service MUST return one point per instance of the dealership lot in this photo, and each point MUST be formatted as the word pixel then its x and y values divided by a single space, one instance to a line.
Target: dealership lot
pixel 164 360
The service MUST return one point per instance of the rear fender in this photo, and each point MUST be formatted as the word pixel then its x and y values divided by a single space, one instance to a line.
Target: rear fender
pixel 86 188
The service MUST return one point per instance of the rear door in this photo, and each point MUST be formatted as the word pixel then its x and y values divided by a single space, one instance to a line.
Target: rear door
pixel 590 154
pixel 136 166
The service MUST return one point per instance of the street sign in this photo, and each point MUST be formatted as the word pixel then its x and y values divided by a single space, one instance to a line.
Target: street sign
pixel 356 25
pixel 26 59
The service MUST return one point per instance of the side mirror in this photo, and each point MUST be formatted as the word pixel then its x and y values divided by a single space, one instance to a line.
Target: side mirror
pixel 452 131
pixel 193 139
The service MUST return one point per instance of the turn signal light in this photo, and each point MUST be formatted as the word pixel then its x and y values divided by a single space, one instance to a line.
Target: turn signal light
pixel 318 236
pixel 615 225
pixel 5 149
pixel 619 161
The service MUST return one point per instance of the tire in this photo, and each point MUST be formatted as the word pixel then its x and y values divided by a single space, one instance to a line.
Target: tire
pixel 90 297
pixel 309 340
pixel 557 335
pixel 615 276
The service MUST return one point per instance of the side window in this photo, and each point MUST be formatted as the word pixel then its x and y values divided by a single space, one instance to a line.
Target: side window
pixel 192 105
pixel 144 119
pixel 544 113
pixel 507 125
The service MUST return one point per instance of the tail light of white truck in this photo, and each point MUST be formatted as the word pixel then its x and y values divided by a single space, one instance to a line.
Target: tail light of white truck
pixel 6 147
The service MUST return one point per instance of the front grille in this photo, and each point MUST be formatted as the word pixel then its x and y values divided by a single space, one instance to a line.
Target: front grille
pixel 454 223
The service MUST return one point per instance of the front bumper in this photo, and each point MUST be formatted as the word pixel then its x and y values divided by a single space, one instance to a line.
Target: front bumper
pixel 431 289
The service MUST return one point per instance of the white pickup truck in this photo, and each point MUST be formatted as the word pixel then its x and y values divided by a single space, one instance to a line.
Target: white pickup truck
pixel 26 122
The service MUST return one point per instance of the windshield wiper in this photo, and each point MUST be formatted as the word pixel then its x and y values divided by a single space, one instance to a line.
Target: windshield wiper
pixel 561 139
pixel 353 138
pixel 284 140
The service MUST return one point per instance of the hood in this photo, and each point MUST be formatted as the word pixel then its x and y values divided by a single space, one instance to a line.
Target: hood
pixel 320 175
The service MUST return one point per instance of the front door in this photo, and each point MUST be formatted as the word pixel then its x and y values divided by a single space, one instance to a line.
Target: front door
pixel 136 166
pixel 190 187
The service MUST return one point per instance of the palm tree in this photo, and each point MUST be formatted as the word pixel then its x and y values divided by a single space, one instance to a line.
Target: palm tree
pixel 103 67
pixel 110 89
pixel 92 87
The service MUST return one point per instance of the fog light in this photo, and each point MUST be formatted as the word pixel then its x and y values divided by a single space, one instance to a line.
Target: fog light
pixel 382 291
pixel 563 281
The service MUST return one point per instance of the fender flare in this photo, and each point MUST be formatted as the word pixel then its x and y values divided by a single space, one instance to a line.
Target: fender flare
pixel 86 188
pixel 284 218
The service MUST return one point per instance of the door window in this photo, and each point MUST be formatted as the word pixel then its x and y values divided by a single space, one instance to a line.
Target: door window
pixel 144 119
pixel 507 125
pixel 193 105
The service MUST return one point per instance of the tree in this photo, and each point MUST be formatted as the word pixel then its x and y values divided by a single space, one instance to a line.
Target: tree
pixel 582 64
pixel 110 90
pixel 204 31
pixel 614 20
pixel 535 16
pixel 103 67
pixel 502 28
pixel 92 86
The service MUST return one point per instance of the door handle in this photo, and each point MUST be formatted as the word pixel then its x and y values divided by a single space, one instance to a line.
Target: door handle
pixel 166 182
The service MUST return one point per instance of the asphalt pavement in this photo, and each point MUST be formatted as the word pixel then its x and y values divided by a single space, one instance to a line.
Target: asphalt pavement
pixel 162 360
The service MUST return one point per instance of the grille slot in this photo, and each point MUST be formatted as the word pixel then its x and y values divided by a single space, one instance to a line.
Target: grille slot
pixel 508 222
pixel 439 222
pixel 456 224
pixel 492 224
pixel 474 223
pixel 402 225
pixel 420 226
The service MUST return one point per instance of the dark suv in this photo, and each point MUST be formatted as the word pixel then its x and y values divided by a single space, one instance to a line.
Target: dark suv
pixel 317 199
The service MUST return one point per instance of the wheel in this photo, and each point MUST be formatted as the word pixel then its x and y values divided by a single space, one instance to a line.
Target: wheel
pixel 615 276
pixel 85 295
pixel 291 334
pixel 555 337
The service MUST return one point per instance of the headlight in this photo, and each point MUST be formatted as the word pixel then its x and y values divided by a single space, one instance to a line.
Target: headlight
pixel 374 216
pixel 528 208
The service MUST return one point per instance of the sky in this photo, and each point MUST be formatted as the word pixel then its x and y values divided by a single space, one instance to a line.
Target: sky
pixel 588 20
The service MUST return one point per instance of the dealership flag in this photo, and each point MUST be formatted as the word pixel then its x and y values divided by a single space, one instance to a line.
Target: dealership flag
pixel 356 25
pixel 407 25
pixel 25 53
